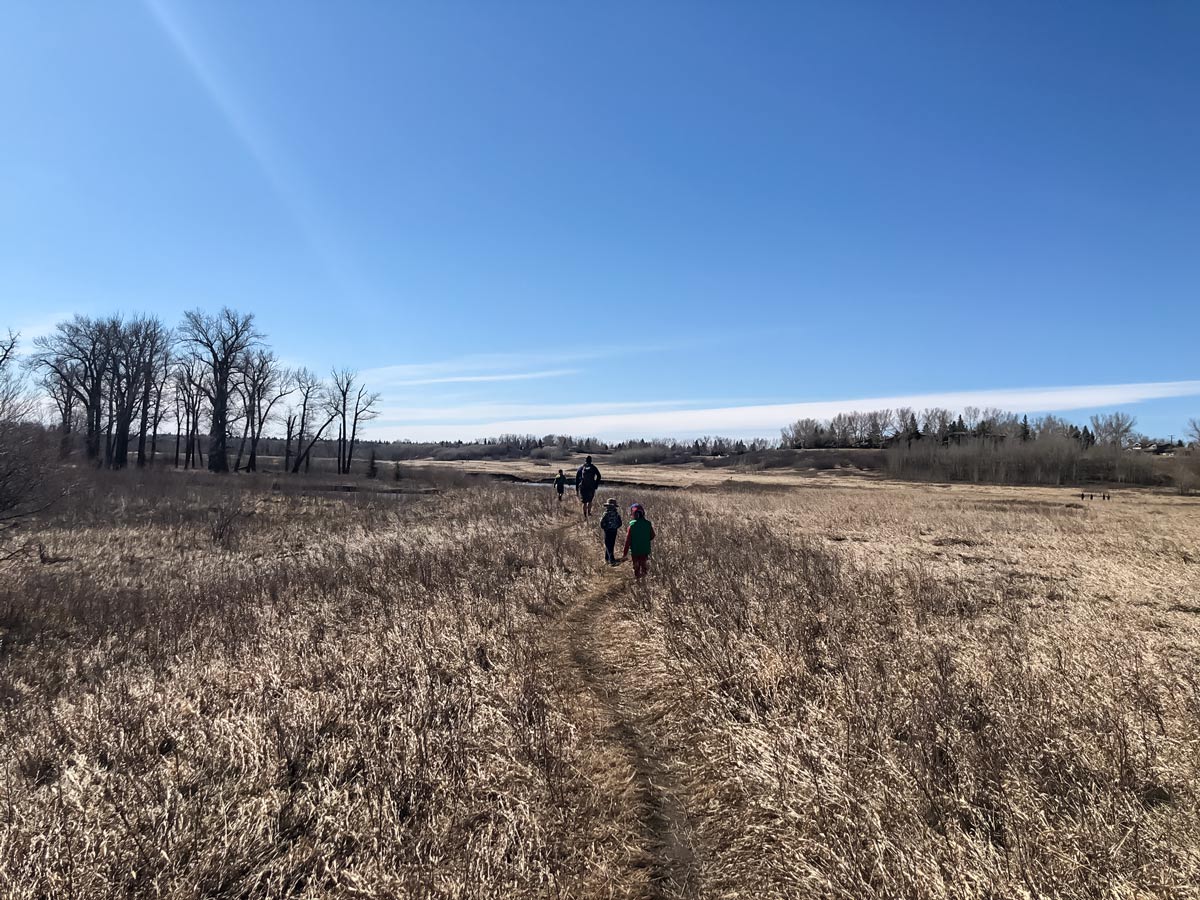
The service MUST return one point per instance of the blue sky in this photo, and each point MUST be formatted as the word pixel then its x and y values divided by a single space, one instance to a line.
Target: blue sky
pixel 649 219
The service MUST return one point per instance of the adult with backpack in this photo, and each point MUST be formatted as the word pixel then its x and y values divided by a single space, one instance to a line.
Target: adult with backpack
pixel 587 481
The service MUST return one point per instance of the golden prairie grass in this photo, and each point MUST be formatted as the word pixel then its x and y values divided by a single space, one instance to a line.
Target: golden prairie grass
pixel 902 692
pixel 842 688
pixel 348 697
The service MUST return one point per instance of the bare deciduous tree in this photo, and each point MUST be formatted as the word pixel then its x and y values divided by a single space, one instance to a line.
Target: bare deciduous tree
pixel 188 380
pixel 160 379
pixel 60 386
pixel 23 489
pixel 802 434
pixel 353 405
pixel 156 366
pixel 76 356
pixel 136 347
pixel 1113 428
pixel 937 421
pixel 219 341
pixel 262 384
pixel 315 403
pixel 16 402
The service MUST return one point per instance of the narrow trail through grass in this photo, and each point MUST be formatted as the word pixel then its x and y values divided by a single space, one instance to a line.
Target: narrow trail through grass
pixel 599 643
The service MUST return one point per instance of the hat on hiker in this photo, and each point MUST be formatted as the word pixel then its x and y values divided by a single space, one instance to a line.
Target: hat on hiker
pixel 611 501
pixel 636 507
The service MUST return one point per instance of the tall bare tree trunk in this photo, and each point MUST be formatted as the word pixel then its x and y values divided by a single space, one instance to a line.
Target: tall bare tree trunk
pixel 108 435
pixel 218 451
pixel 145 423
pixel 242 446
pixel 350 446
pixel 287 447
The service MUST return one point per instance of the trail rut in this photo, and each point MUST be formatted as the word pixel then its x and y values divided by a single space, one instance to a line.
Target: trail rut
pixel 597 647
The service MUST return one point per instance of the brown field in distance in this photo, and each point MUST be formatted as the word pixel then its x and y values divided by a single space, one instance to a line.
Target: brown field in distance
pixel 833 685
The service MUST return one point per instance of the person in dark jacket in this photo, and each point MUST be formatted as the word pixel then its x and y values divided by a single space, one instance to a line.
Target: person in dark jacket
pixel 587 480
pixel 610 524
pixel 560 485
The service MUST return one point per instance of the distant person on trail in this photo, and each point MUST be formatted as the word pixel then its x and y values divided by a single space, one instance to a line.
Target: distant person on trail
pixel 587 479
pixel 560 484
pixel 638 538
pixel 610 524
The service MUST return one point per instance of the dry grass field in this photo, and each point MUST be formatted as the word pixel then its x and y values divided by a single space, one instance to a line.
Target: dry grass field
pixel 830 687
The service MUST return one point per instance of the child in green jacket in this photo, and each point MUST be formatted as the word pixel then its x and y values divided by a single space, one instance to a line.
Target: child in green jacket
pixel 638 538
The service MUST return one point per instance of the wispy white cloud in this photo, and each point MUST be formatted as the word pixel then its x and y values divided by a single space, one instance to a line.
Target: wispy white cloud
pixel 476 412
pixel 488 377
pixel 457 365
pixel 481 367
pixel 767 419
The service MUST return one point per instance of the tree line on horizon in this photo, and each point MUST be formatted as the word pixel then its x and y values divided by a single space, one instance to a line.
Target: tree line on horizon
pixel 877 429
pixel 998 446
pixel 885 427
pixel 114 382
pixel 974 444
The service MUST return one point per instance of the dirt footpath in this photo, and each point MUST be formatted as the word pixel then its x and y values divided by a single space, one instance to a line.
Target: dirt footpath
pixel 613 675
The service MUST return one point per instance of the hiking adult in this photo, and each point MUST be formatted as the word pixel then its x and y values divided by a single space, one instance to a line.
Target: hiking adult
pixel 587 481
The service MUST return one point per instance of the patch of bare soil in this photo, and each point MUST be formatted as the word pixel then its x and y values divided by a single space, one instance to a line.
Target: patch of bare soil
pixel 596 644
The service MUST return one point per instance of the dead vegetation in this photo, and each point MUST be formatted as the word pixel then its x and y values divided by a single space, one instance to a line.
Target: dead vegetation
pixel 346 698
pixel 907 725
pixel 224 689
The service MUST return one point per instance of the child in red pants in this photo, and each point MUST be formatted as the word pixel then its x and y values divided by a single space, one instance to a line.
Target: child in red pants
pixel 638 538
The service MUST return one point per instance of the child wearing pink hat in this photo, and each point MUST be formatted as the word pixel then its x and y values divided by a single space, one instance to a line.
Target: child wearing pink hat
pixel 638 538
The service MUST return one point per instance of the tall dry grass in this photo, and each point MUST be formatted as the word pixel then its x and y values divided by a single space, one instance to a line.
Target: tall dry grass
pixel 893 726
pixel 230 692
pixel 237 688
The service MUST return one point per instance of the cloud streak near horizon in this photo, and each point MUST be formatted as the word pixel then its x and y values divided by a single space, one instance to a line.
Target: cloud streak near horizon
pixel 488 377
pixel 767 419
pixel 483 367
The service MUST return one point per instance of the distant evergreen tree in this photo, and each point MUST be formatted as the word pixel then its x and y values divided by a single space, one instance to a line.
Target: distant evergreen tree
pixel 1025 433
pixel 372 466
